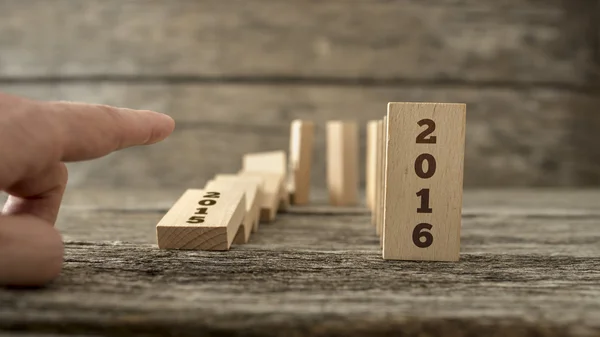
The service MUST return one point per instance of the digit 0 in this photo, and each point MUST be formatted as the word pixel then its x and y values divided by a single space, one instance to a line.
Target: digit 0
pixel 430 166
pixel 207 202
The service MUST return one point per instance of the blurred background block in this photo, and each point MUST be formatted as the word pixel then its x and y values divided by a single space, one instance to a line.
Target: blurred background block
pixel 235 73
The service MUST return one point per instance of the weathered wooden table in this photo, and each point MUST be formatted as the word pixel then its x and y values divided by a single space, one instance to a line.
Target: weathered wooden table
pixel 530 266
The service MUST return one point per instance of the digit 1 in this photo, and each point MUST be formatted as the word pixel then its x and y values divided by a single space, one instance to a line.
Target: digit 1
pixel 424 194
pixel 201 210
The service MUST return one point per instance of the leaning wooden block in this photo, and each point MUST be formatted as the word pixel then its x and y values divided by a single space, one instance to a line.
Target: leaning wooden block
pixel 271 193
pixel 371 163
pixel 342 163
pixel 269 162
pixel 252 207
pixel 424 181
pixel 301 146
pixel 253 188
pixel 203 220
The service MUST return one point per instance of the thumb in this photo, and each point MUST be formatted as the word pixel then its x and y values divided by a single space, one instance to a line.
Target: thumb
pixel 31 251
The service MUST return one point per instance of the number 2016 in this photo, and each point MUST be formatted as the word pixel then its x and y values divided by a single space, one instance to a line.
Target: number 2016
pixel 422 238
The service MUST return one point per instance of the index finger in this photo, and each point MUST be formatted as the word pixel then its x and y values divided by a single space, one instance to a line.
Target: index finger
pixel 91 131
pixel 35 135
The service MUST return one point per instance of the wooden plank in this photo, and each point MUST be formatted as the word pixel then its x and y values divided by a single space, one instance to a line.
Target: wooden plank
pixel 423 181
pixel 111 251
pixel 381 216
pixel 252 203
pixel 301 151
pixel 254 194
pixel 205 220
pixel 256 118
pixel 371 163
pixel 467 40
pixel 342 163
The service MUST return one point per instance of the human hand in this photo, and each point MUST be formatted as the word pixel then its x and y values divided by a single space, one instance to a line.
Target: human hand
pixel 36 138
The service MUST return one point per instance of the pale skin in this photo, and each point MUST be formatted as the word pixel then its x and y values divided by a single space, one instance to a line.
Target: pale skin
pixel 36 140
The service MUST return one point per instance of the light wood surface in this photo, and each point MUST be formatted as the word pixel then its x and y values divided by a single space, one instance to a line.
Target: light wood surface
pixel 378 164
pixel 381 216
pixel 371 163
pixel 271 193
pixel 204 220
pixel 270 162
pixel 252 203
pixel 342 163
pixel 254 194
pixel 301 152
pixel 424 181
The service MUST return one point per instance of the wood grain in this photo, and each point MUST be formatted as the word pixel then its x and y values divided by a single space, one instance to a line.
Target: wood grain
pixel 529 267
pixel 514 137
pixel 467 40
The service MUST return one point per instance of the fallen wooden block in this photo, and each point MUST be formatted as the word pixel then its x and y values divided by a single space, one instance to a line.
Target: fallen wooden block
pixel 301 148
pixel 271 193
pixel 371 163
pixel 269 162
pixel 252 207
pixel 252 198
pixel 204 220
pixel 342 163
pixel 424 181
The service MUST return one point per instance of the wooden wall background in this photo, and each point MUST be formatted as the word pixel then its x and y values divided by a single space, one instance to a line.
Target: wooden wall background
pixel 234 73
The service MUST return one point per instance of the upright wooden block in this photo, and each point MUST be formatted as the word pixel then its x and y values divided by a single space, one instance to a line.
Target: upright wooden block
pixel 381 215
pixel 271 193
pixel 202 219
pixel 424 187
pixel 371 164
pixel 255 200
pixel 252 206
pixel 378 173
pixel 269 162
pixel 342 163
pixel 301 148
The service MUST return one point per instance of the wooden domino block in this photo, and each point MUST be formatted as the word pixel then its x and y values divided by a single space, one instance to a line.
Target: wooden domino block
pixel 271 193
pixel 378 173
pixel 381 215
pixel 424 181
pixel 202 219
pixel 252 207
pixel 371 163
pixel 301 148
pixel 342 163
pixel 274 162
pixel 253 199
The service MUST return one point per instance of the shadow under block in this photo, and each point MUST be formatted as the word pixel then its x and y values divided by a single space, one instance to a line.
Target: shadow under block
pixel 371 163
pixel 269 162
pixel 252 206
pixel 254 200
pixel 202 220
pixel 424 181
pixel 301 149
pixel 378 173
pixel 342 163
pixel 271 193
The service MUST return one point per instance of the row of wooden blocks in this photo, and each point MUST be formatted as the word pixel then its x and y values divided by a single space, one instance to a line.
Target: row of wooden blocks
pixel 414 175
pixel 230 207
